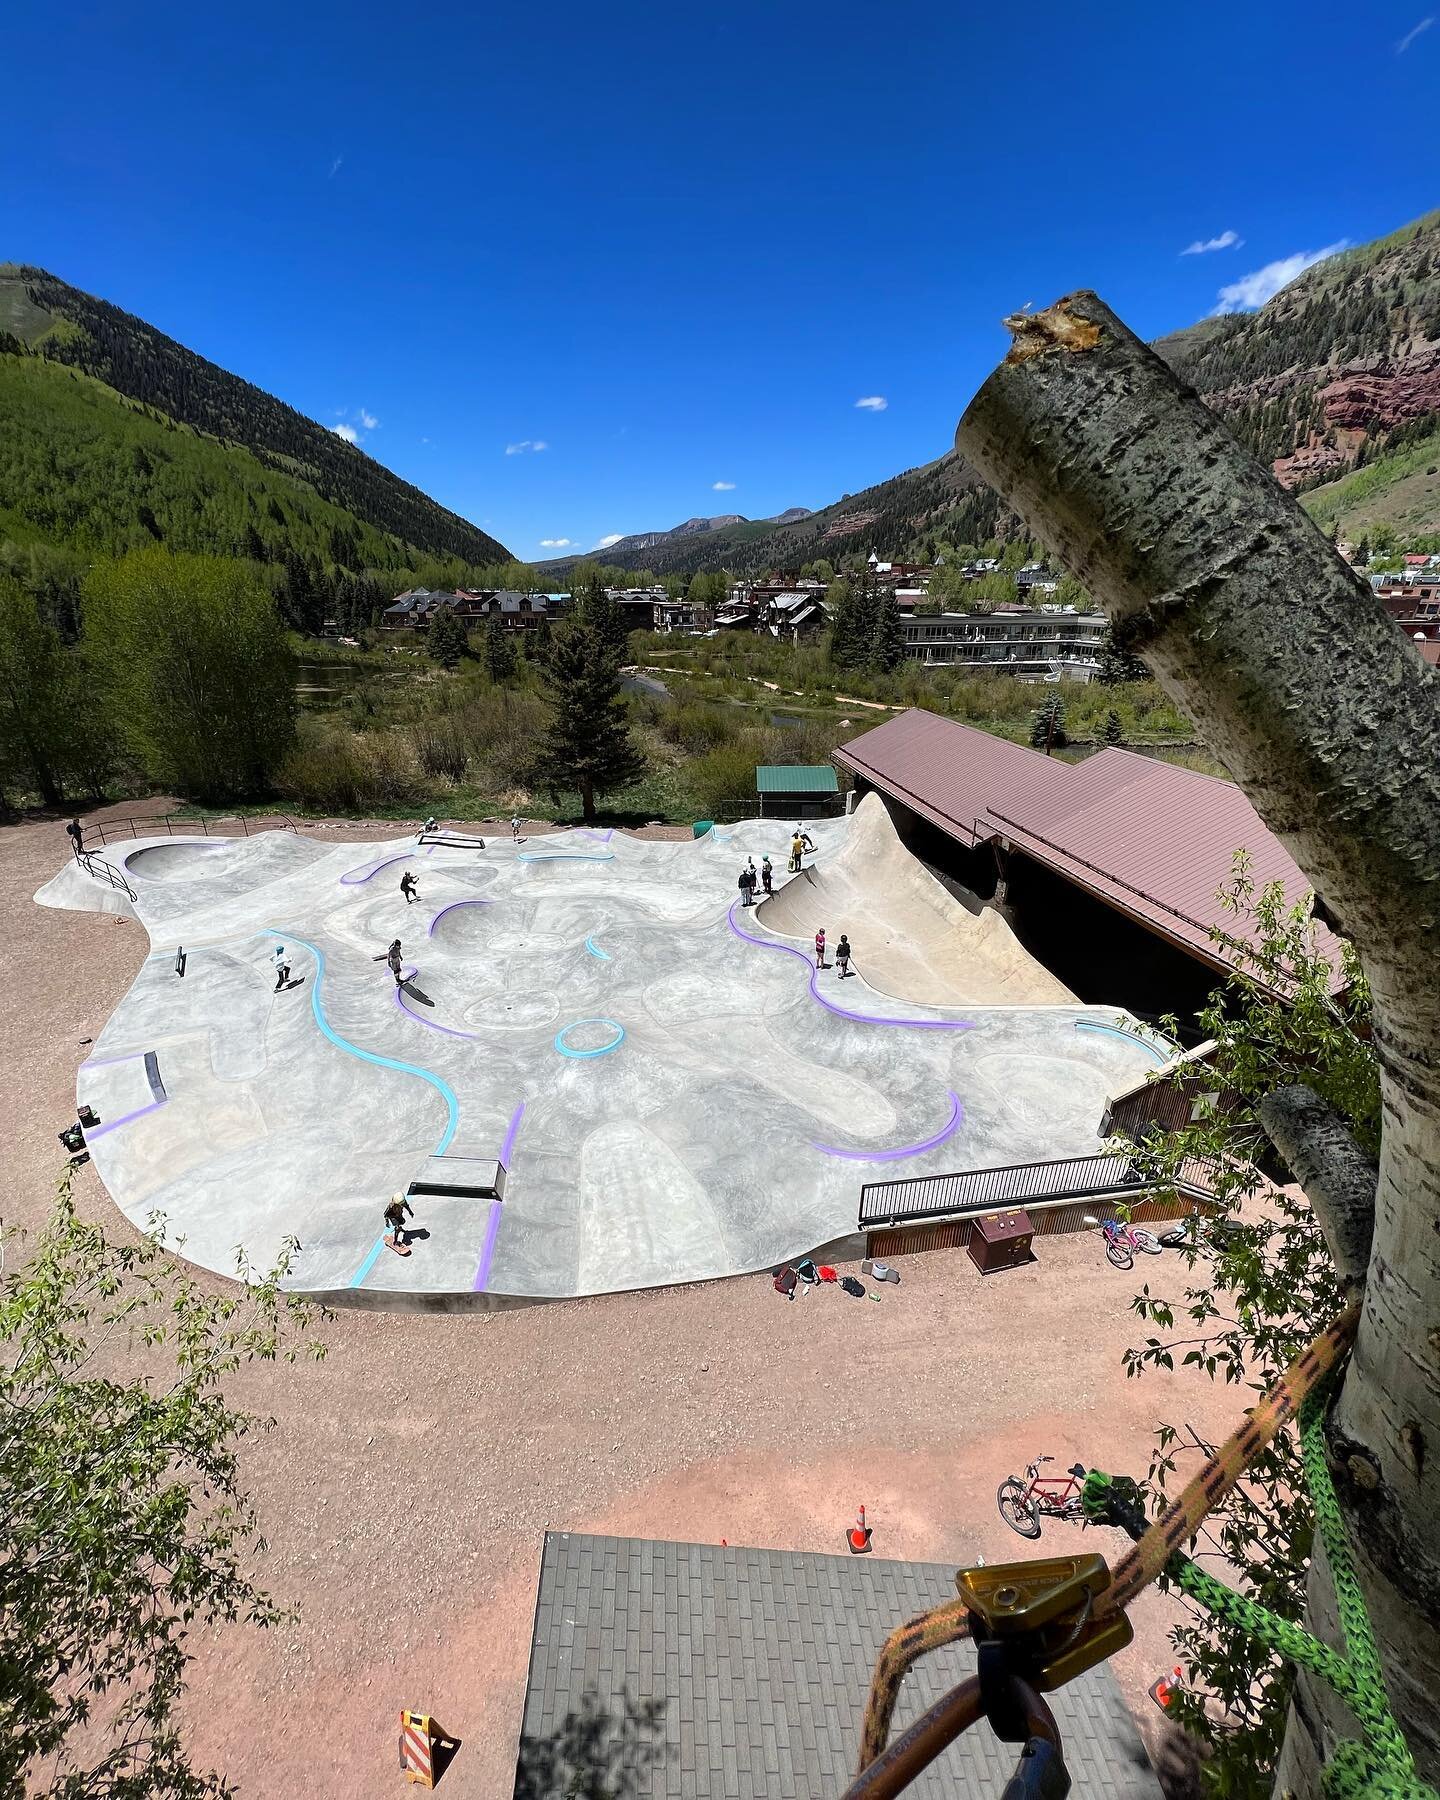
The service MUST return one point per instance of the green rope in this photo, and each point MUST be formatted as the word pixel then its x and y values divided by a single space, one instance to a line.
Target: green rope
pixel 1380 1768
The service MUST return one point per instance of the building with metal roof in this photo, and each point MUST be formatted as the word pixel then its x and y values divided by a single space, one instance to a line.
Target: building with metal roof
pixel 1152 843
pixel 714 1673
pixel 795 787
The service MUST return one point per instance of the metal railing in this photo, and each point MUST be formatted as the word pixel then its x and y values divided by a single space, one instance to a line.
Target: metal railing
pixel 175 825
pixel 101 870
pixel 1018 1184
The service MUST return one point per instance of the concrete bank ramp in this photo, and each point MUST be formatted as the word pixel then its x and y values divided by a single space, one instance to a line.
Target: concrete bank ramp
pixel 912 938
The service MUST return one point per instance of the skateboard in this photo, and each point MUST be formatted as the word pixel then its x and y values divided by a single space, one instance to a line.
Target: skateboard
pixel 398 1248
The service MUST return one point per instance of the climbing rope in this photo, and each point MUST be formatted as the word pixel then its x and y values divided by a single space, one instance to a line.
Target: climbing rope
pixel 1379 1768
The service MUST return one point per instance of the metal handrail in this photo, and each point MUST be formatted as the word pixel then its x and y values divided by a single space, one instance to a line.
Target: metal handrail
pixel 101 870
pixel 983 1190
pixel 176 826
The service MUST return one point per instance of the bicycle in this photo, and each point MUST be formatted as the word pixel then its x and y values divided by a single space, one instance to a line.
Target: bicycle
pixel 1122 1241
pixel 1022 1503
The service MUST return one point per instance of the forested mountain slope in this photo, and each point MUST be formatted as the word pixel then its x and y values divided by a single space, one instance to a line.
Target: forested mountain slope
pixel 235 456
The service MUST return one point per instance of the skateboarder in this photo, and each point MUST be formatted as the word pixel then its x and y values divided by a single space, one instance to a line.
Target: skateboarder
pixel 395 1214
pixel 392 956
pixel 747 887
pixel 515 828
pixel 282 971
pixel 797 851
pixel 767 875
pixel 820 948
pixel 428 826
pixel 842 956
pixel 75 831
pixel 408 888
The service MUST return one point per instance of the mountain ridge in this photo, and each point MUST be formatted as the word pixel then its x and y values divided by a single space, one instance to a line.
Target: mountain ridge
pixel 48 321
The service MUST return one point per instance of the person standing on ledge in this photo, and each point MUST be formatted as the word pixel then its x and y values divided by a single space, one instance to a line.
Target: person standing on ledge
pixel 392 956
pixel 797 852
pixel 767 875
pixel 75 831
pixel 820 948
pixel 842 956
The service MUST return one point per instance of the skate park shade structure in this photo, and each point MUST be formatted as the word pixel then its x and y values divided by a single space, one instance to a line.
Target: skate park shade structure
pixel 672 1088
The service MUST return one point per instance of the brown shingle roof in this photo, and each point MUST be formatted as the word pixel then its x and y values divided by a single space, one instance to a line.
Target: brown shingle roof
pixel 1155 841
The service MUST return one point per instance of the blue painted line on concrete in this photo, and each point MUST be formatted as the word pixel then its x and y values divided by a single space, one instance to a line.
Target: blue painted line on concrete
pixel 357 1279
pixel 443 1088
pixel 595 950
pixel 1132 1037
pixel 565 856
pixel 603 1050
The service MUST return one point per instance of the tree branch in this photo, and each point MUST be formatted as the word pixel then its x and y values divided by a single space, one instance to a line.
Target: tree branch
pixel 1339 1179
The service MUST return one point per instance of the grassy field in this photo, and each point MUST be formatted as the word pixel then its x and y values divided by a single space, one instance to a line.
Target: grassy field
pixel 1402 490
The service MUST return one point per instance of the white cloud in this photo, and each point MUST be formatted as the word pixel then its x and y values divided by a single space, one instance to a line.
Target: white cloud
pixel 613 538
pixel 368 421
pixel 1227 240
pixel 348 432
pixel 723 487
pixel 335 168
pixel 872 403
pixel 1411 35
pixel 526 444
pixel 556 543
pixel 1255 289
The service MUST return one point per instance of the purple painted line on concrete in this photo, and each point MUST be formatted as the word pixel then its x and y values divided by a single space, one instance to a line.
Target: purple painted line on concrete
pixel 829 1005
pixel 354 877
pixel 492 1231
pixel 511 1133
pixel 430 931
pixel 94 1131
pixel 599 837
pixel 957 1113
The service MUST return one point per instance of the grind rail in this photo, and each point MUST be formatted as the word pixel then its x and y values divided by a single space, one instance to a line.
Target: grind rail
pixel 1111 1172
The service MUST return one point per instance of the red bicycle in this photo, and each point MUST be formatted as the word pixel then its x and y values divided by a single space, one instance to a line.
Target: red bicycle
pixel 1022 1503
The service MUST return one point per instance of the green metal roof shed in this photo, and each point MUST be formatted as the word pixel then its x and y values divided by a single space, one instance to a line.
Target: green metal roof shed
pixel 792 784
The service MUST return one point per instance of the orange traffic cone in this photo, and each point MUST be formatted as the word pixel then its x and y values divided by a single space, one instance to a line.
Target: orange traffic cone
pixel 1163 1691
pixel 857 1538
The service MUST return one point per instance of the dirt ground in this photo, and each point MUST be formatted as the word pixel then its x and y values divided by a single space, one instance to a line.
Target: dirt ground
pixel 409 1478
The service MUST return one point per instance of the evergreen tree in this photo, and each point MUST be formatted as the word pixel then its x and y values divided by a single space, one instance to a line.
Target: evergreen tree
pixel 446 639
pixel 499 652
pixel 1047 725
pixel 587 743
pixel 849 641
pixel 597 612
pixel 1118 666
pixel 887 633
pixel 37 699
pixel 1112 731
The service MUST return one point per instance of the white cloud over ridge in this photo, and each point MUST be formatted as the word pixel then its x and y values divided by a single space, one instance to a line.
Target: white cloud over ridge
pixel 526 446
pixel 723 487
pixel 614 537
pixel 872 403
pixel 1227 240
pixel 1253 290
pixel 348 432
pixel 556 543
pixel 368 421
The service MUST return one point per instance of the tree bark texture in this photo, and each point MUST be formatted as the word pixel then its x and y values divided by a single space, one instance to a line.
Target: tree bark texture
pixel 1328 719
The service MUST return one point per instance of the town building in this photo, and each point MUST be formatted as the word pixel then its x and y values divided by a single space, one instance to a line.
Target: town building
pixel 796 790
pixel 1047 645
pixel 416 610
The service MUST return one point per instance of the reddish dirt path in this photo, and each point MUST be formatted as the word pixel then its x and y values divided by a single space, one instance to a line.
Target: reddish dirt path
pixel 409 1478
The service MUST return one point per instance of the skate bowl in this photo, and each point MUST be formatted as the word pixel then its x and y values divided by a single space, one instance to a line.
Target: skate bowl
pixel 176 862
pixel 461 923
pixel 912 938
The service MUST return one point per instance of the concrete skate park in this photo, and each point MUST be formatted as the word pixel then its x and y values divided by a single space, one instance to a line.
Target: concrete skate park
pixel 600 1072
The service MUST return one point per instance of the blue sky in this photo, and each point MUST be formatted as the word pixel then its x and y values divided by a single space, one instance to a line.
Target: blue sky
pixel 675 246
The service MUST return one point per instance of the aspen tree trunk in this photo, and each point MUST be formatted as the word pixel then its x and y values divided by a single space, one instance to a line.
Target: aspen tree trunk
pixel 1328 719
